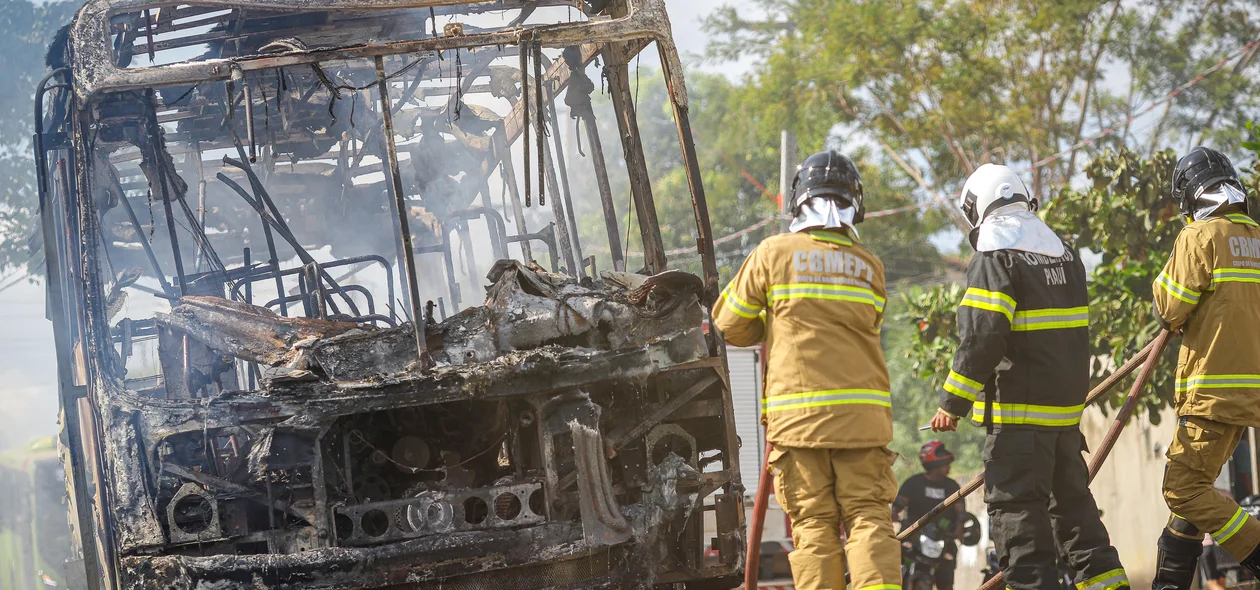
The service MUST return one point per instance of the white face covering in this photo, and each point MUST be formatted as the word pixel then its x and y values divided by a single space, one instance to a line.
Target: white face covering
pixel 1208 203
pixel 1014 227
pixel 824 213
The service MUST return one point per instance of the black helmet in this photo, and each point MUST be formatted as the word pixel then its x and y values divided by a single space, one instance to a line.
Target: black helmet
pixel 828 174
pixel 1199 171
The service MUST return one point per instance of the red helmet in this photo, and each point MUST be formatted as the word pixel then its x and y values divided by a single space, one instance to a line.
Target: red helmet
pixel 933 454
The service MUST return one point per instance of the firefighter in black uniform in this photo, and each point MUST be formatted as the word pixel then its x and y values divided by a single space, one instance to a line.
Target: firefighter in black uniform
pixel 1022 371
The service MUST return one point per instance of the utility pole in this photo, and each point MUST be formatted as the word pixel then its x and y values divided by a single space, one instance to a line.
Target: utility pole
pixel 787 171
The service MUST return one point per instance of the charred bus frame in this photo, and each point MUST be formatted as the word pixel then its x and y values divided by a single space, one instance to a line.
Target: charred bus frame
pixel 256 453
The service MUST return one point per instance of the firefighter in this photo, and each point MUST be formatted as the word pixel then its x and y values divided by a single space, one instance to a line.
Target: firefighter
pixel 1209 289
pixel 1022 371
pixel 921 493
pixel 816 297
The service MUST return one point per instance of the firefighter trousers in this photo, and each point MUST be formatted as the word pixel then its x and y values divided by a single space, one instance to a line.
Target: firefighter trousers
pixel 1199 450
pixel 1037 486
pixel 822 489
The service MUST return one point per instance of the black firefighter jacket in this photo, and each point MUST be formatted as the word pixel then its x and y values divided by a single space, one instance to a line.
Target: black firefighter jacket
pixel 1024 330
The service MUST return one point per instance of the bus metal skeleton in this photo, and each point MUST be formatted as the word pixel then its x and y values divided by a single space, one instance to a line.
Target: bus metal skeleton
pixel 267 222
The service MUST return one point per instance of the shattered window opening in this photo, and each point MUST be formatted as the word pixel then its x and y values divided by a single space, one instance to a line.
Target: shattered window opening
pixel 303 327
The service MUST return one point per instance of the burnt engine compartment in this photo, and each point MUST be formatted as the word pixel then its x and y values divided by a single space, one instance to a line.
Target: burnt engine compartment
pixel 533 426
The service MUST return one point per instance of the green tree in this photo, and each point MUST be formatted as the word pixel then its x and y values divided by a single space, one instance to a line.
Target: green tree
pixel 947 86
pixel 730 145
pixel 28 26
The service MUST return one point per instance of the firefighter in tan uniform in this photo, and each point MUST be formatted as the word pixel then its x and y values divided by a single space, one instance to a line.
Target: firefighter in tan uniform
pixel 1210 289
pixel 816 298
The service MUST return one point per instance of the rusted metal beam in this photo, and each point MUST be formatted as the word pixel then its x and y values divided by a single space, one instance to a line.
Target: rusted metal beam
pixel 503 153
pixel 562 167
pixel 400 208
pixel 96 73
pixel 636 167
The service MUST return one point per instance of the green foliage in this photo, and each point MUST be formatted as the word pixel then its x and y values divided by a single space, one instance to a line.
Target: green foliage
pixel 28 28
pixel 931 314
pixel 953 84
pixel 914 403
pixel 1128 218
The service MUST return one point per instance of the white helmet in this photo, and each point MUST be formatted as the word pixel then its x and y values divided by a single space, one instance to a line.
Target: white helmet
pixel 990 187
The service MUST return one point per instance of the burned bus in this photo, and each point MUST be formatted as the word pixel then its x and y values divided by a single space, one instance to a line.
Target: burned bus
pixel 346 295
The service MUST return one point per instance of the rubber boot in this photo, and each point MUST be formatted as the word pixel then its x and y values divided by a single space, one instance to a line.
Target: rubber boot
pixel 1174 567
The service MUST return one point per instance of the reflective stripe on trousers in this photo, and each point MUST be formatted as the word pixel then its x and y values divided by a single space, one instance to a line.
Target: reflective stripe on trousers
pixel 1106 581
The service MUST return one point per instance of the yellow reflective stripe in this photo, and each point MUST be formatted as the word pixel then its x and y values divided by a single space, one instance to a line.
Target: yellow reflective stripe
pixel 962 386
pixel 830 397
pixel 1177 289
pixel 832 237
pixel 1053 318
pixel 995 301
pixel 1232 381
pixel 827 292
pixel 738 306
pixel 1243 219
pixel 1030 414
pixel 1110 580
pixel 1231 528
pixel 1235 275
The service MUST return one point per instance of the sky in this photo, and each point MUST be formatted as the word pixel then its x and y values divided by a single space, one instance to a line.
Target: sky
pixel 28 371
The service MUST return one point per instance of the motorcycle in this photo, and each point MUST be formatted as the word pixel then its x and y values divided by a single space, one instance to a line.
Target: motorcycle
pixel 921 555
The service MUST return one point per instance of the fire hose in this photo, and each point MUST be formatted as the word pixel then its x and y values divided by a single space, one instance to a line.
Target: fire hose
pixel 1146 358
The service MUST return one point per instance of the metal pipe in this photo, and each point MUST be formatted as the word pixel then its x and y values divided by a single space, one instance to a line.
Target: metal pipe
pixel 557 210
pixel 170 219
pixel 508 170
pixel 1117 425
pixel 523 53
pixel 277 221
pixel 563 168
pixel 249 123
pixel 540 132
pixel 249 298
pixel 611 226
pixel 636 164
pixel 270 239
pixel 699 205
pixel 201 199
pixel 400 204
pixel 148 248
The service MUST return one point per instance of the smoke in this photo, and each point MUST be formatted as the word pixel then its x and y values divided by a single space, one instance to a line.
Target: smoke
pixel 28 367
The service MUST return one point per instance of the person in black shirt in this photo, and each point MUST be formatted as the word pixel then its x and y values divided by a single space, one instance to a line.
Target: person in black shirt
pixel 922 492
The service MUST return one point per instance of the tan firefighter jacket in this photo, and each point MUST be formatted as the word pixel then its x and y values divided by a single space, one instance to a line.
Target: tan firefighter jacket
pixel 817 299
pixel 1211 288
